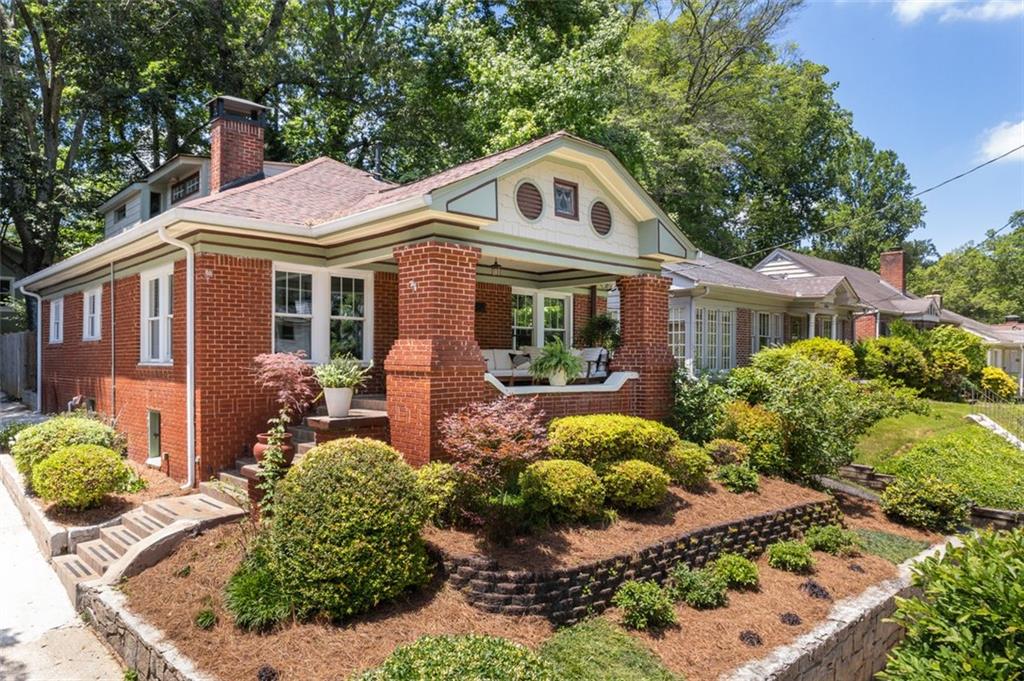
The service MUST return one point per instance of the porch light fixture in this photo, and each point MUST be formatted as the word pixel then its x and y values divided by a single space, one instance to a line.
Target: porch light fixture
pixel 495 268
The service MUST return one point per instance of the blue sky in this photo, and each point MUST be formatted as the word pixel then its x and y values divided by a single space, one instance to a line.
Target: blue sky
pixel 942 83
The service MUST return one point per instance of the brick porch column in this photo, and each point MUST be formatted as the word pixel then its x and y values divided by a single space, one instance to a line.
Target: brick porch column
pixel 435 366
pixel 643 320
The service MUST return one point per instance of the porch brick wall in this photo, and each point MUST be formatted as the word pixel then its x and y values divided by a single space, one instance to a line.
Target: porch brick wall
pixel 864 327
pixel 77 367
pixel 744 337
pixel 493 325
pixel 581 313
pixel 233 325
pixel 435 366
pixel 643 310
pixel 385 327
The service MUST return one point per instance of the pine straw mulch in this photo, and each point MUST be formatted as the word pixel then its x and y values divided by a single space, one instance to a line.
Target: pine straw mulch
pixel 157 485
pixel 168 596
pixel 867 515
pixel 569 546
pixel 707 643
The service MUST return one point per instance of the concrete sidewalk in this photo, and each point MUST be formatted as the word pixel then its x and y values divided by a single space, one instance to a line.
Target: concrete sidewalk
pixel 42 638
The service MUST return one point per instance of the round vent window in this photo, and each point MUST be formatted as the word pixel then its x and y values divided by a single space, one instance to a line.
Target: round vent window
pixel 601 218
pixel 529 201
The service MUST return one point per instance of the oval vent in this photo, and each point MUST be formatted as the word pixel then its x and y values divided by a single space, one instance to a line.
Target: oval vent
pixel 529 201
pixel 601 218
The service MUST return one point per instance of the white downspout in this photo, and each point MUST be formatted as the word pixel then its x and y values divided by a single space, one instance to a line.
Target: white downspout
pixel 39 347
pixel 190 350
pixel 1020 374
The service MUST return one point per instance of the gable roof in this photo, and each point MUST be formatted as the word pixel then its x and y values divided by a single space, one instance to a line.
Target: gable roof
pixel 718 272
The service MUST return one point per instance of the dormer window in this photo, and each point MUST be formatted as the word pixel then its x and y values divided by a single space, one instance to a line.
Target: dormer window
pixel 185 188
pixel 121 212
pixel 567 200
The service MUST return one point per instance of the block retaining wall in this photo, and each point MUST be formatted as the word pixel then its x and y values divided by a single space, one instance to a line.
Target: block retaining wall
pixel 568 595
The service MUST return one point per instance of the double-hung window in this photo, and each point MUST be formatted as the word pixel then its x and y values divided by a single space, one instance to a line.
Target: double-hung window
pixel 92 314
pixel 769 330
pixel 555 317
pixel 539 318
pixel 677 332
pixel 348 315
pixel 157 315
pixel 57 320
pixel 522 320
pixel 293 312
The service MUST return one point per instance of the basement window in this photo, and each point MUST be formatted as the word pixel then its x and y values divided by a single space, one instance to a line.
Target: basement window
pixel 185 188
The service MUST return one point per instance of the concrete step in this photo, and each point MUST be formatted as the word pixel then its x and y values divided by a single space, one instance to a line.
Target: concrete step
pixel 141 523
pixel 303 448
pixel 119 538
pixel 199 507
pixel 301 433
pixel 71 570
pixel 244 461
pixel 370 402
pixel 97 554
pixel 225 492
pixel 234 478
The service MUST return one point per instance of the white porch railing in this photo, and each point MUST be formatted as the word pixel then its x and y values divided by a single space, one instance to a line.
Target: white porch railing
pixel 612 384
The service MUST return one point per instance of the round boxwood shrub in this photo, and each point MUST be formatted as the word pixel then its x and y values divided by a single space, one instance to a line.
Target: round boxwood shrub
pixel 723 451
pixel 828 351
pixel 635 484
pixel 452 658
pixel 644 605
pixel 43 439
pixel 346 528
pixel 791 556
pixel 737 571
pixel 80 476
pixel 438 484
pixel 738 478
pixel 561 490
pixel 688 465
pixel 926 502
pixel 599 440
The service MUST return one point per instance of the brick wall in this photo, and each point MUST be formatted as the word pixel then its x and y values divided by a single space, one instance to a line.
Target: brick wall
pixel 385 327
pixel 643 311
pixel 744 336
pixel 864 327
pixel 581 313
pixel 233 325
pixel 236 151
pixel 493 324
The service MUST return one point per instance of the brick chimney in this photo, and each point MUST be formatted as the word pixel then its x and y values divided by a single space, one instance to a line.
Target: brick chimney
pixel 236 141
pixel 891 268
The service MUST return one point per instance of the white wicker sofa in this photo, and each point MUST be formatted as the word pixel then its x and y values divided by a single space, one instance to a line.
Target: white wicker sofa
pixel 514 365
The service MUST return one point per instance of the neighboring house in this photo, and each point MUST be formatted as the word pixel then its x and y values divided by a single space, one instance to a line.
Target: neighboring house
pixel 158 324
pixel 10 271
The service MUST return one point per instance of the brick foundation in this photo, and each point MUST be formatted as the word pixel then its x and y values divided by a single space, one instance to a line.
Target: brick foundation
pixel 643 310
pixel 744 336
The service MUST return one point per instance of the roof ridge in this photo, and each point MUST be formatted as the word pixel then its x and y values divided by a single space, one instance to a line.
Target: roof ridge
pixel 260 183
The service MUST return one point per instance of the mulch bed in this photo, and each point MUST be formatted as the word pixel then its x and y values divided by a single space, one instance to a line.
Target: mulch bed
pixel 863 514
pixel 570 546
pixel 157 485
pixel 708 643
pixel 299 651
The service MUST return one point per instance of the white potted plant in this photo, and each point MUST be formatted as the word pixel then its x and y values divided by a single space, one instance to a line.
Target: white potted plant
pixel 339 380
pixel 556 363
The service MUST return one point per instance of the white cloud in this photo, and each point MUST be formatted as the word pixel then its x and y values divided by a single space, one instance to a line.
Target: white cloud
pixel 909 11
pixel 1000 139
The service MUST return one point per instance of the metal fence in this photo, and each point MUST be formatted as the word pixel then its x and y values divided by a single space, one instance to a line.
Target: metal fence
pixel 1007 412
pixel 17 363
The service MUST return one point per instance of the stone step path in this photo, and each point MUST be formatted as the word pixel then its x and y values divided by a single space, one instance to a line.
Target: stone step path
pixel 92 559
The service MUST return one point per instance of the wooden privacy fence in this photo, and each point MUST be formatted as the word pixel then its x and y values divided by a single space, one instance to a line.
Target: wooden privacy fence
pixel 17 363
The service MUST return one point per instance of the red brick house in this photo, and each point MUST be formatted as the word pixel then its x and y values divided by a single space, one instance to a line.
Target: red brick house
pixel 157 325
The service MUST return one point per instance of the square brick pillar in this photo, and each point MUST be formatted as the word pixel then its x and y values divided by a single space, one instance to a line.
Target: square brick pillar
pixel 435 366
pixel 643 320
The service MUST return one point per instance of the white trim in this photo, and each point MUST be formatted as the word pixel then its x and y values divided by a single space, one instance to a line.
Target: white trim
pixel 97 294
pixel 57 320
pixel 612 384
pixel 164 315
pixel 320 312
pixel 538 313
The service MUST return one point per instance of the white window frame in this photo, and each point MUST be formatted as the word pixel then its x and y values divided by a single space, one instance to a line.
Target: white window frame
pixel 94 318
pixel 677 332
pixel 57 320
pixel 320 316
pixel 714 339
pixel 164 317
pixel 538 313
pixel 771 322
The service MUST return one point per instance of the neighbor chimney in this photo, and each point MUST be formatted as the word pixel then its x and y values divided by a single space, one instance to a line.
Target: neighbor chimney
pixel 236 141
pixel 892 271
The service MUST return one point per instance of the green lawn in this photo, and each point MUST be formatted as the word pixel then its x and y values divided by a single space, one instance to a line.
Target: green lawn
pixel 598 650
pixel 893 435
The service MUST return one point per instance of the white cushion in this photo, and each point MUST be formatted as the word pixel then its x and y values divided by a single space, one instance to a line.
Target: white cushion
pixel 488 359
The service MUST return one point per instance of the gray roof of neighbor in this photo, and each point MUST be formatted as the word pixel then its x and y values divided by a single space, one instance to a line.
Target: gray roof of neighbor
pixel 868 285
pixel 717 272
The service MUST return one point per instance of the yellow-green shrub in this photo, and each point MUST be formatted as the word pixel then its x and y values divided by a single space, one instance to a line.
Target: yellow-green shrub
pixel 79 476
pixel 833 352
pixel 688 465
pixel 635 484
pixel 43 439
pixel 760 430
pixel 561 490
pixel 600 440
pixel 438 483
pixel 724 451
pixel 998 382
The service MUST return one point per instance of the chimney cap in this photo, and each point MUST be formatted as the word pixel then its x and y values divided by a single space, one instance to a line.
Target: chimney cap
pixel 235 107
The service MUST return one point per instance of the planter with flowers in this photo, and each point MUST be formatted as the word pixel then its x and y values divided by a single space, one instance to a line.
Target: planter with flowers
pixel 339 379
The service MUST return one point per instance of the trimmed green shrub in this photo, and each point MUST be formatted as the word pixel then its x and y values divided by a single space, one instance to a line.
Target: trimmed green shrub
pixel 254 596
pixel 831 539
pixel 80 476
pixel 562 490
pixel 761 431
pixel 453 658
pixel 438 485
pixel 832 352
pixel 737 572
pixel 724 451
pixel 696 407
pixel 738 478
pixel 597 648
pixel 926 502
pixel 346 528
pixel 894 358
pixel 688 465
pixel 43 439
pixel 506 515
pixel 998 383
pixel 10 431
pixel 749 385
pixel 969 624
pixel 599 440
pixel 644 605
pixel 699 589
pixel 958 341
pixel 635 484
pixel 986 467
pixel 791 556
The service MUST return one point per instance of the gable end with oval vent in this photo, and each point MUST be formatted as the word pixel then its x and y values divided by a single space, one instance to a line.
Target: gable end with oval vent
pixel 601 218
pixel 529 201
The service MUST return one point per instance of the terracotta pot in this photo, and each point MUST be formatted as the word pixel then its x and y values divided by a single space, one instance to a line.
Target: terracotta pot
pixel 261 446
